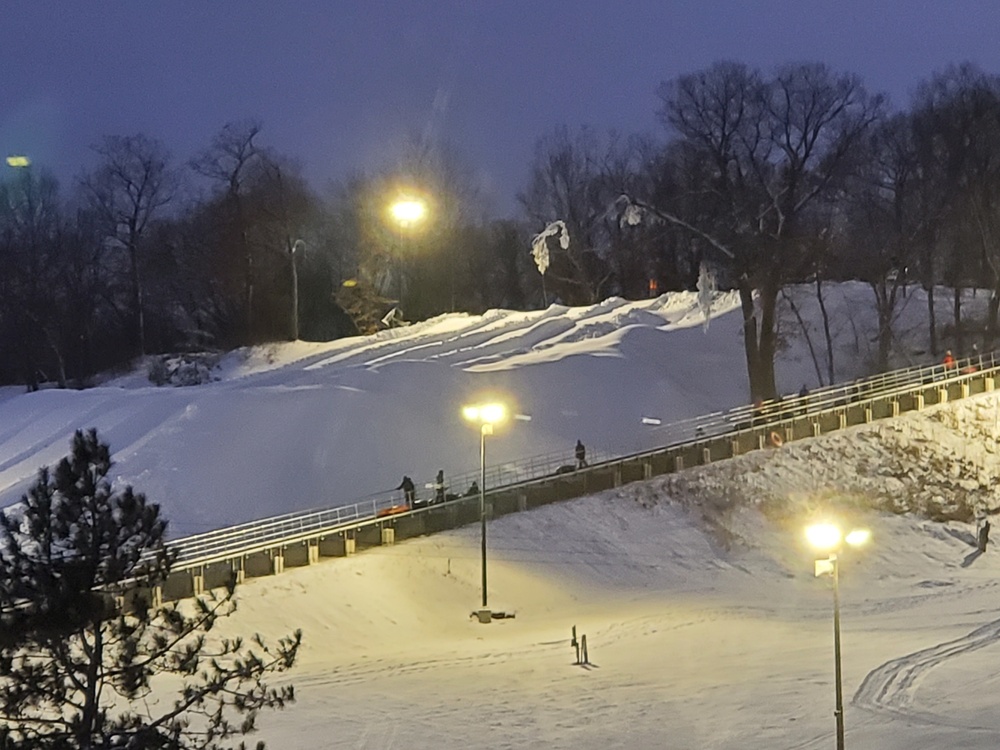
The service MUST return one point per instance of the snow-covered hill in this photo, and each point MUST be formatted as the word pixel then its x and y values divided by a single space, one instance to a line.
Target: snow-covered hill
pixel 706 628
pixel 303 425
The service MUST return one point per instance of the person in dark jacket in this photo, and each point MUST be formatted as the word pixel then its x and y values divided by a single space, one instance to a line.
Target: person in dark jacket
pixel 409 490
pixel 439 487
pixel 581 455
pixel 473 489
pixel 984 535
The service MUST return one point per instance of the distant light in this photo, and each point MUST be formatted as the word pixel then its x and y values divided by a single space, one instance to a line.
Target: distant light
pixel 408 210
pixel 858 537
pixel 350 282
pixel 522 417
pixel 18 161
pixel 651 420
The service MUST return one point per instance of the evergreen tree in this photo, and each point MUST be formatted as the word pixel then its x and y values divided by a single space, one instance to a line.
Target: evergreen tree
pixel 80 643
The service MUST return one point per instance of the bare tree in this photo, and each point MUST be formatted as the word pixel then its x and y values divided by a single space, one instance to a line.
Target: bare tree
pixel 957 133
pixel 574 179
pixel 229 160
pixel 131 185
pixel 885 221
pixel 775 147
pixel 30 236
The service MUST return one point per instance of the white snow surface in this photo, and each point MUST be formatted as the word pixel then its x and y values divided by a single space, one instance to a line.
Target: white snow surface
pixel 705 625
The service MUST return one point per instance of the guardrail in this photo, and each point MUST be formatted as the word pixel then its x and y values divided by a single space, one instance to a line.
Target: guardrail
pixel 702 432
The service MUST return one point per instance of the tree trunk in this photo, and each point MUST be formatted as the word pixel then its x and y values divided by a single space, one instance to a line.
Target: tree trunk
pixel 826 331
pixel 805 333
pixel 957 309
pixel 932 325
pixel 883 309
pixel 750 337
pixel 990 334
pixel 138 321
pixel 759 341
pixel 767 344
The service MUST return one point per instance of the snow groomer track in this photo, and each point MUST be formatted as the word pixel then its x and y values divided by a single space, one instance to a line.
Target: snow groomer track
pixel 267 546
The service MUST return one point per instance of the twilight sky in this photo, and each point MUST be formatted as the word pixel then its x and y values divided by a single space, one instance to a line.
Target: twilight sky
pixel 339 83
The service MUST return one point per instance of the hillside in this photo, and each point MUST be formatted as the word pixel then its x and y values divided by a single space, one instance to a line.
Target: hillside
pixel 303 425
pixel 705 625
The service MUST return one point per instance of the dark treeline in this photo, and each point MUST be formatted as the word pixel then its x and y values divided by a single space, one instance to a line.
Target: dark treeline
pixel 797 175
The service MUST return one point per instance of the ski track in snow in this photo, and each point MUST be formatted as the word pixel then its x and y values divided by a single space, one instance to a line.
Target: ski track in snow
pixel 893 686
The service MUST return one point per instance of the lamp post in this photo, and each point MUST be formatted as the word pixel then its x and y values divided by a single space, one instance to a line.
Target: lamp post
pixel 406 211
pixel 827 537
pixel 295 288
pixel 486 416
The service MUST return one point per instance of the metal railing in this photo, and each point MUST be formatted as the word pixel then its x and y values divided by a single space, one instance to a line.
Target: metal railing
pixel 247 538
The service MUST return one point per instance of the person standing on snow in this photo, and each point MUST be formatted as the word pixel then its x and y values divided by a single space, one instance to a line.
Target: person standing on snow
pixel 409 491
pixel 581 455
pixel 984 535
pixel 948 361
pixel 439 487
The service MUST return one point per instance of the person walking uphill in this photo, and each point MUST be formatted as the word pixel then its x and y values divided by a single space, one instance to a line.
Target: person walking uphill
pixel 409 491
pixel 581 455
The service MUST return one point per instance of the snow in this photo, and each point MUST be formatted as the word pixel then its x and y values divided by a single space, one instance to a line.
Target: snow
pixel 705 625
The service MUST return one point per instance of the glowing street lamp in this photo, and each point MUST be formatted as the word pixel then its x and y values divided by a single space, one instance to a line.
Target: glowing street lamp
pixel 18 161
pixel 486 416
pixel 408 211
pixel 405 211
pixel 829 538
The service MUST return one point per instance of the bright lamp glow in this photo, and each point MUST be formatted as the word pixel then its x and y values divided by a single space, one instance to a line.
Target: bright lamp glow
pixel 494 413
pixel 18 161
pixel 827 537
pixel 823 536
pixel 408 210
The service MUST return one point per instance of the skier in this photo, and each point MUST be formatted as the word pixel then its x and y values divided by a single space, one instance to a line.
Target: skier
pixel 409 490
pixel 581 455
pixel 439 487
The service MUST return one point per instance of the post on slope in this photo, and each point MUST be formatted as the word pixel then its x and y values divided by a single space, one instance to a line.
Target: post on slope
pixel 839 710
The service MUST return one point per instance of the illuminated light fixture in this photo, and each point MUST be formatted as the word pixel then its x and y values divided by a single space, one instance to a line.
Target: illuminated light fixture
pixel 828 538
pixel 408 210
pixel 486 416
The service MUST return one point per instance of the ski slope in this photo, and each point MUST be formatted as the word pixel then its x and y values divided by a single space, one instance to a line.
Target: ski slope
pixel 705 625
